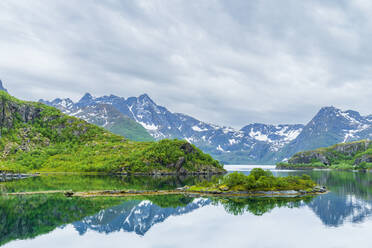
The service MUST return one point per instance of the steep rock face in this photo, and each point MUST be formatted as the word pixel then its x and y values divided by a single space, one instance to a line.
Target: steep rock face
pixel 10 111
pixel 350 149
pixel 309 157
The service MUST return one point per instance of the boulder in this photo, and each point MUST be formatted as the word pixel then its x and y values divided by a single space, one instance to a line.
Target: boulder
pixel 367 158
pixel 224 188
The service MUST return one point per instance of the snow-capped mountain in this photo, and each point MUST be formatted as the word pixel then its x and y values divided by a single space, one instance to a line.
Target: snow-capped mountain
pixel 255 143
pixel 331 126
pixel 276 135
pixel 104 115
pixel 134 216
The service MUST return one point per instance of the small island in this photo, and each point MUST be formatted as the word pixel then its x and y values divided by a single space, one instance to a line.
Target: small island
pixel 346 156
pixel 259 182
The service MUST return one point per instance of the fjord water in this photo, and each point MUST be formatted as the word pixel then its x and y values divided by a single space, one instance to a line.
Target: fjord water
pixel 341 218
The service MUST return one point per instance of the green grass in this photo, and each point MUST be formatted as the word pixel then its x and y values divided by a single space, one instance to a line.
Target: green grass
pixel 130 129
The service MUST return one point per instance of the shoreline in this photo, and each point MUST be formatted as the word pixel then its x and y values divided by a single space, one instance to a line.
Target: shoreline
pixel 309 168
pixel 38 173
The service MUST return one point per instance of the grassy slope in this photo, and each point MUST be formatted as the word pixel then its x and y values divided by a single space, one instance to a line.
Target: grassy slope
pixel 53 141
pixel 130 129
pixel 337 159
pixel 115 122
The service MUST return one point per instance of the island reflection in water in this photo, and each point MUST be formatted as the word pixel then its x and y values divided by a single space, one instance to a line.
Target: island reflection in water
pixel 35 218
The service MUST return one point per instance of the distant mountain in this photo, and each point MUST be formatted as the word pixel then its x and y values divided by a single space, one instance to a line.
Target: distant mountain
pixel 103 115
pixel 2 87
pixel 330 126
pixel 255 143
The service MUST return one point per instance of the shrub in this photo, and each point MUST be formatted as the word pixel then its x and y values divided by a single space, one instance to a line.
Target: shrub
pixel 234 179
pixel 258 172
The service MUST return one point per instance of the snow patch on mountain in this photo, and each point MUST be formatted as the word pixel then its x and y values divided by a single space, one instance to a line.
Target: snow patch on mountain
pixel 198 129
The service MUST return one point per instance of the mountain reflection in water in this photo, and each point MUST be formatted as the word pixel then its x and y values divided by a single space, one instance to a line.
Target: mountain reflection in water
pixel 24 217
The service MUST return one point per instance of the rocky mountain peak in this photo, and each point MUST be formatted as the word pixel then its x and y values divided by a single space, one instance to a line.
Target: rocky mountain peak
pixel 86 99
pixel 144 98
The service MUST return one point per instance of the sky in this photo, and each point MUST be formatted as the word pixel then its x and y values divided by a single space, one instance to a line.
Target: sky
pixel 225 62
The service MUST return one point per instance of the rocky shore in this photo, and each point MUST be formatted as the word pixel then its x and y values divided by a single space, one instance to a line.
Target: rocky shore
pixel 4 177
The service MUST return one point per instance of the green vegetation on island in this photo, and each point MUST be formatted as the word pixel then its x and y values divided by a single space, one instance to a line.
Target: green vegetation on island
pixel 257 180
pixel 39 138
pixel 347 156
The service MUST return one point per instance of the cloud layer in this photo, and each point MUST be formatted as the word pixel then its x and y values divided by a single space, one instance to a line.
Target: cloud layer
pixel 226 62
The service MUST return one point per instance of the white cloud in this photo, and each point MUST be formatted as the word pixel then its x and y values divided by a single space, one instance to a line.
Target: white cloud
pixel 227 62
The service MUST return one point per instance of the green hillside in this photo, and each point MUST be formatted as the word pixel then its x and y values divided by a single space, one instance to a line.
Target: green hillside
pixel 130 129
pixel 354 155
pixel 36 137
pixel 114 121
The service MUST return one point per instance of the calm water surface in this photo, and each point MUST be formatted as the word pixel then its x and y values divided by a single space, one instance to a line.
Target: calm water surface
pixel 341 218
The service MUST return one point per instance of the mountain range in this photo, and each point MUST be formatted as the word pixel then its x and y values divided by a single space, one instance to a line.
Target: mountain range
pixel 255 143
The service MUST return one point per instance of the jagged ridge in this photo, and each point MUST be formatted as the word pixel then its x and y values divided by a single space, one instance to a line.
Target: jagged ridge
pixel 253 143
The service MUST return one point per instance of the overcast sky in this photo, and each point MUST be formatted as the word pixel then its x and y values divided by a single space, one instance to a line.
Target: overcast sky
pixel 226 62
